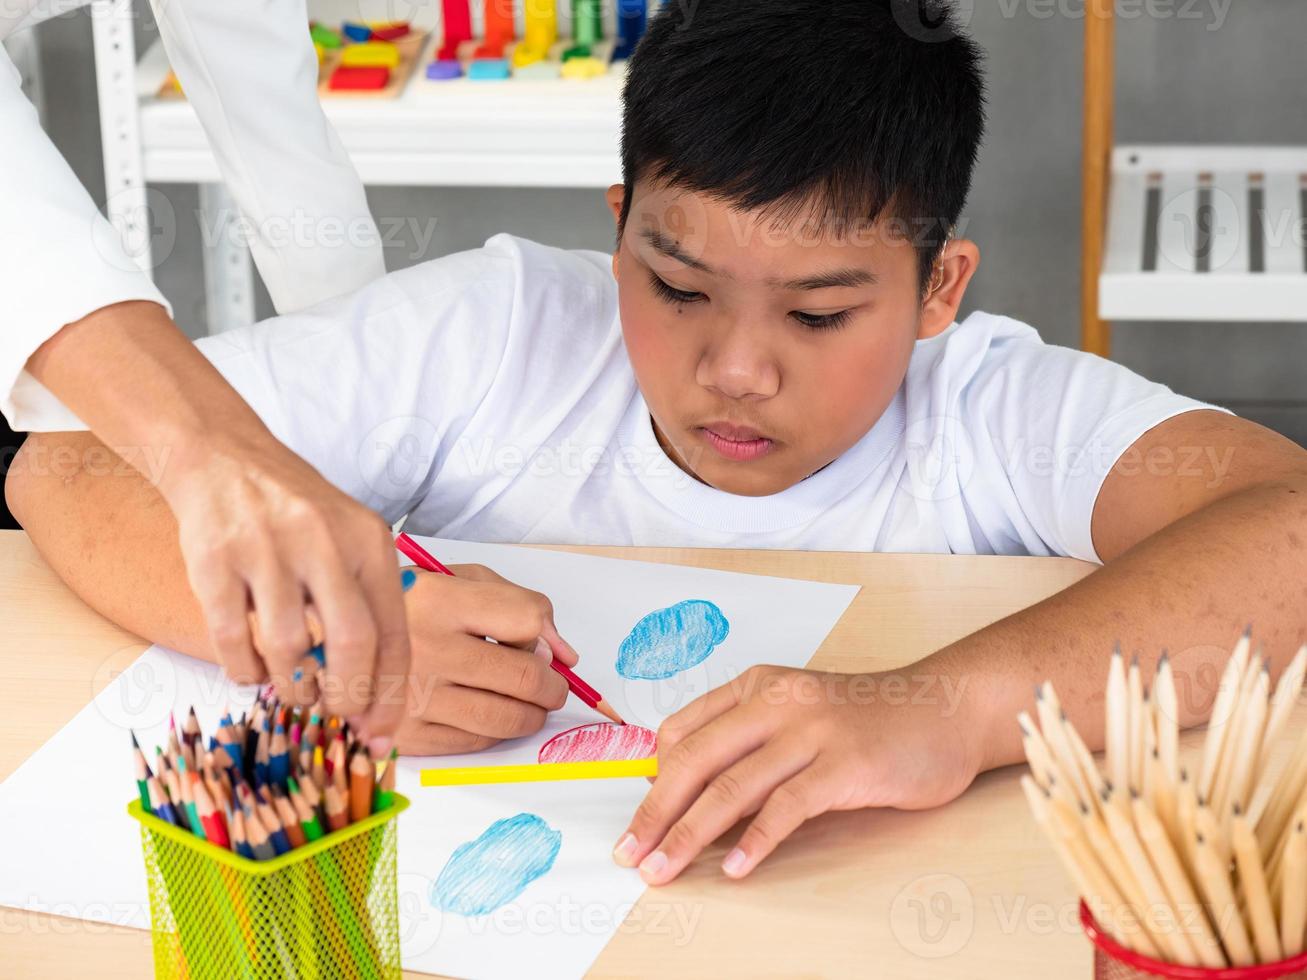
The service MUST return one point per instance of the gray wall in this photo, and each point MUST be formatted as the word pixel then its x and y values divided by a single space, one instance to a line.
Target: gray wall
pixel 1189 71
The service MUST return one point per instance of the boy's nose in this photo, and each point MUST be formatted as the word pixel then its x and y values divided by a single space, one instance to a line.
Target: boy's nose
pixel 739 370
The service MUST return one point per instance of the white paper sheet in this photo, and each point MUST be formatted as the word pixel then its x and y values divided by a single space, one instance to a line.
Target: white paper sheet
pixel 68 847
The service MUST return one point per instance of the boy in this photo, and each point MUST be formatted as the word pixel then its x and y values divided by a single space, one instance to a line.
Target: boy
pixel 769 359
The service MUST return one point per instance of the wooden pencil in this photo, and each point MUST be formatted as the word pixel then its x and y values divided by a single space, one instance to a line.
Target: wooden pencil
pixel 1217 725
pixel 1205 870
pixel 362 774
pixel 290 820
pixel 1134 726
pixel 1293 902
pixel 1117 722
pixel 1214 880
pixel 335 808
pixel 1252 877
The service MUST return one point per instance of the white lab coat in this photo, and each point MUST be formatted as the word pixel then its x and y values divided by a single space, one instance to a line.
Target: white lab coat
pixel 255 93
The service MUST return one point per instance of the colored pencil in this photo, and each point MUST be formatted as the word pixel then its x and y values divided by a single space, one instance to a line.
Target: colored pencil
pixel 143 774
pixel 539 772
pixel 362 774
pixel 385 795
pixel 425 560
pixel 265 801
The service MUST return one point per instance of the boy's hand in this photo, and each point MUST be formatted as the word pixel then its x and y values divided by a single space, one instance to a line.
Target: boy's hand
pixel 787 745
pixel 465 692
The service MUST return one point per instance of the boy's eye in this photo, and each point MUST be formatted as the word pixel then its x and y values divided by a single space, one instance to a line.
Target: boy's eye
pixel 670 293
pixel 822 321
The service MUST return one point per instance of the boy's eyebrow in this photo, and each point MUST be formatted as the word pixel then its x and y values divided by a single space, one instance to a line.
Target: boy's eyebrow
pixel 851 276
pixel 672 250
pixel 825 280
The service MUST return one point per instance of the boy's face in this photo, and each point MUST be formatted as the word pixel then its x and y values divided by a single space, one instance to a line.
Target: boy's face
pixel 764 351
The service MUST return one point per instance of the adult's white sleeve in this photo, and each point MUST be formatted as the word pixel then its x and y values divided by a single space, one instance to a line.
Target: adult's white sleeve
pixel 249 69
pixel 60 260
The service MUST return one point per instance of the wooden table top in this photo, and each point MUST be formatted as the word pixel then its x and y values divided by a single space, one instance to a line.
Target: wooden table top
pixel 968 889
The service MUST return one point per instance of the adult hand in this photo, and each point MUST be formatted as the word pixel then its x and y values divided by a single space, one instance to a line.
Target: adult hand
pixel 260 528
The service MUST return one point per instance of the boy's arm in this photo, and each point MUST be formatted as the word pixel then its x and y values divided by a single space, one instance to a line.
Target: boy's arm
pixel 1203 525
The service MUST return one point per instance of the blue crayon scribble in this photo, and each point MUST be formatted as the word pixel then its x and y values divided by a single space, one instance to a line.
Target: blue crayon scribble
pixel 671 640
pixel 483 874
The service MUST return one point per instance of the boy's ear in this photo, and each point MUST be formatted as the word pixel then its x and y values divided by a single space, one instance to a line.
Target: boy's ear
pixel 953 270
pixel 614 196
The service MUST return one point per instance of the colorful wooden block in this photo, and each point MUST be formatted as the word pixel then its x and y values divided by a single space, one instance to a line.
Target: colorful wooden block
pixel 585 67
pixel 587 22
pixel 390 31
pixel 545 68
pixel 457 19
pixel 370 54
pixel 443 70
pixel 499 30
pixel 345 79
pixel 488 69
pixel 541 30
pixel 324 35
pixel 631 17
pixel 356 32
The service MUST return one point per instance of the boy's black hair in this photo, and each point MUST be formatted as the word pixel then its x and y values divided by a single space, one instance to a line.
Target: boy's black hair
pixel 862 108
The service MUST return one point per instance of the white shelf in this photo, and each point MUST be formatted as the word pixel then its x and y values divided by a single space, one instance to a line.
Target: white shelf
pixel 1197 232
pixel 518 133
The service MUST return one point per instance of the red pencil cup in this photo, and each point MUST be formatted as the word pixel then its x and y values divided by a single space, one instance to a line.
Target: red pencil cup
pixel 1112 961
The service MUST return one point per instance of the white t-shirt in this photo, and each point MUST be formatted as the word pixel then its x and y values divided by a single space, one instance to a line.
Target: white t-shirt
pixel 487 395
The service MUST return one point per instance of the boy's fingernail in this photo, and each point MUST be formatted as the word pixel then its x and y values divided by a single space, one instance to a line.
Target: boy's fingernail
pixel 653 864
pixel 624 849
pixel 379 746
pixel 734 863
pixel 542 648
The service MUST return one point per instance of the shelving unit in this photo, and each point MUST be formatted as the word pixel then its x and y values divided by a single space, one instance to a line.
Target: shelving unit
pixel 514 133
pixel 1183 232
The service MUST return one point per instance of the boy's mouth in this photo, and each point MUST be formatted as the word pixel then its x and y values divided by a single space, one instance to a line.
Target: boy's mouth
pixel 735 442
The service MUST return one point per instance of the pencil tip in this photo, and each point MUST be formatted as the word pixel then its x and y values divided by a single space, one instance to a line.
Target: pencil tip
pixel 1039 692
pixel 1162 659
pixel 1237 809
pixel 135 744
pixel 1116 649
pixel 1062 714
pixel 1134 659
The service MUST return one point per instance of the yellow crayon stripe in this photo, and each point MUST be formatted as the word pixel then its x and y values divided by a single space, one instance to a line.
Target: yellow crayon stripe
pixel 539 772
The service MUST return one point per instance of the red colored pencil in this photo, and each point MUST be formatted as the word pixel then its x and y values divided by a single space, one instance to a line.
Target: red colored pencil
pixel 424 559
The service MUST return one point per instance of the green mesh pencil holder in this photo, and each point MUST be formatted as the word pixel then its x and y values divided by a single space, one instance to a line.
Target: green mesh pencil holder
pixel 327 910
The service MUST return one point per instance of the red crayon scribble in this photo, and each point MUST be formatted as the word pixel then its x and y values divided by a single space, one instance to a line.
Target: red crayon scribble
pixel 600 741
